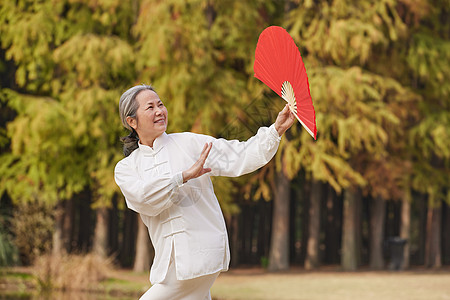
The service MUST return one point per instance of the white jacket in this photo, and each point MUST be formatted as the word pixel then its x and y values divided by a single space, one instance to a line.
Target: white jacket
pixel 187 217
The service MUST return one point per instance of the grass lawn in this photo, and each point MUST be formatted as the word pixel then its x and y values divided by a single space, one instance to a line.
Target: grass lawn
pixel 409 285
pixel 257 284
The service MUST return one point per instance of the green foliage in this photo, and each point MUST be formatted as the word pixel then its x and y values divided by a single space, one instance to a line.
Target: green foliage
pixel 428 61
pixel 344 32
pixel 378 72
pixel 200 61
pixel 198 58
pixel 352 103
pixel 87 61
pixel 428 58
pixel 9 254
pixel 373 124
pixel 73 60
pixel 40 164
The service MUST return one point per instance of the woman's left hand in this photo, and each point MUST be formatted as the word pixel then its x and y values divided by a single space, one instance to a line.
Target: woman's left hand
pixel 197 169
pixel 284 120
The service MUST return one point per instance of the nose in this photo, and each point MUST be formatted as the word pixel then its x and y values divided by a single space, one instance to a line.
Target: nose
pixel 158 111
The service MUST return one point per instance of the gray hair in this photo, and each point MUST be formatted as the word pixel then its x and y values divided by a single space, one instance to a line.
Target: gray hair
pixel 128 107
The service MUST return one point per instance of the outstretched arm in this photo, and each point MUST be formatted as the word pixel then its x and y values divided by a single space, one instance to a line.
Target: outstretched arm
pixel 234 158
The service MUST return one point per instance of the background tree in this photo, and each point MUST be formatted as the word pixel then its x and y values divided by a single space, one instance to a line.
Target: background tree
pixel 72 75
pixel 377 72
pixel 341 39
pixel 428 60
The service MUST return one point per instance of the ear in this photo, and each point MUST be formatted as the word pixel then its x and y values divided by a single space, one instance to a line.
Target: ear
pixel 132 122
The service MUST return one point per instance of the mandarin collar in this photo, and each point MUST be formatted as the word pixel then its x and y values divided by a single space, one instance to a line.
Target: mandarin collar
pixel 158 144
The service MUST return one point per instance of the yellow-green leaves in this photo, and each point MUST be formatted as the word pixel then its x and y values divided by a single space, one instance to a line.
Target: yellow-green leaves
pixel 378 73
pixel 73 59
pixel 345 32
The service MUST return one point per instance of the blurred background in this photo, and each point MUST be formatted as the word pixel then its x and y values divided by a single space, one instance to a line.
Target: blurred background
pixel 373 191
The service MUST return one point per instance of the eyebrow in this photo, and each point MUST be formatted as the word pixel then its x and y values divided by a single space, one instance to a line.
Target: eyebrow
pixel 153 101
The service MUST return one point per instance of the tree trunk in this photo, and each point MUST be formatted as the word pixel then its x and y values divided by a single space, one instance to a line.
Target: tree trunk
pixel 62 237
pixel 84 222
pixel 422 208
pixel 144 249
pixel 333 226
pixel 359 218
pixel 58 243
pixel 312 248
pixel 279 245
pixel 295 235
pixel 377 233
pixel 433 255
pixel 113 231
pixel 246 239
pixel 235 254
pixel 405 228
pixel 101 232
pixel 445 233
pixel 69 217
pixel 264 231
pixel 303 214
pixel 349 252
pixel 128 242
pixel 250 238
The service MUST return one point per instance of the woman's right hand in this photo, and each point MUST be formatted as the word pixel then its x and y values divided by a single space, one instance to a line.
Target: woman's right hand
pixel 197 169
pixel 284 120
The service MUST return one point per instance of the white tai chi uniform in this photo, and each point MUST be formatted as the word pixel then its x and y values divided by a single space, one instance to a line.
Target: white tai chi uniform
pixel 189 289
pixel 185 220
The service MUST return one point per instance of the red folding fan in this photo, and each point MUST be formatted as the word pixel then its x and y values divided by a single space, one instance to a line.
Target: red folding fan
pixel 279 65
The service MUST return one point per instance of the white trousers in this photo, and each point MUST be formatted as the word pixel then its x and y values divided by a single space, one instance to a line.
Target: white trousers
pixel 173 289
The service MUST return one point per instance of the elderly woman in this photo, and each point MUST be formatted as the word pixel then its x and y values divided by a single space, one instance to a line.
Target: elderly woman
pixel 166 179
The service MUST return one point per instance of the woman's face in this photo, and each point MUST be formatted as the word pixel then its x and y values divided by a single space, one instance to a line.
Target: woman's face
pixel 151 117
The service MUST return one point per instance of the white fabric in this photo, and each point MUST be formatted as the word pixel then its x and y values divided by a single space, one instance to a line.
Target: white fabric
pixel 174 289
pixel 188 215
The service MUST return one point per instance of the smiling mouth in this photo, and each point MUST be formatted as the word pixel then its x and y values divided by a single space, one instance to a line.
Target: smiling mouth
pixel 160 121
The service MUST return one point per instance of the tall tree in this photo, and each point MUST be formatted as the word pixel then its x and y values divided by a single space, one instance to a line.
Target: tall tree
pixel 378 74
pixel 405 224
pixel 349 261
pixel 312 248
pixel 362 104
pixel 427 60
pixel 72 60
pixel 144 249
pixel 100 246
pixel 279 245
pixel 377 233
pixel 433 252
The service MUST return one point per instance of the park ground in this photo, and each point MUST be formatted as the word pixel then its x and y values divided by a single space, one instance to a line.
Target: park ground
pixel 258 284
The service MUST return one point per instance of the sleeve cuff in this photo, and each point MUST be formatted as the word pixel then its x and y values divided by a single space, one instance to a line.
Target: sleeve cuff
pixel 274 133
pixel 178 179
